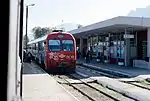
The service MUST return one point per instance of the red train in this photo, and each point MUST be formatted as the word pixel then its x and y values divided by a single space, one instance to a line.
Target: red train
pixel 55 51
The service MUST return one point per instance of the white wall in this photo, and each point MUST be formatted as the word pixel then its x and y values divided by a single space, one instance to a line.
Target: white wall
pixel 14 60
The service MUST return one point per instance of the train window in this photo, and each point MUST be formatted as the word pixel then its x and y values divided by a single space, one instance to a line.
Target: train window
pixel 36 46
pixel 32 46
pixel 54 45
pixel 39 46
pixel 43 44
pixel 67 45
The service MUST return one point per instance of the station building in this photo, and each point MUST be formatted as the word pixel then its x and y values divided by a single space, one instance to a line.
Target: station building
pixel 121 40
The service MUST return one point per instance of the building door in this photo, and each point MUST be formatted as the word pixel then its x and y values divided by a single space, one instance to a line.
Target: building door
pixel 142 45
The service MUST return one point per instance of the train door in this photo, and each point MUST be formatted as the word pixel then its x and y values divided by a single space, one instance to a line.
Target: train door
pixel 44 53
pixel 34 48
pixel 36 51
pixel 40 52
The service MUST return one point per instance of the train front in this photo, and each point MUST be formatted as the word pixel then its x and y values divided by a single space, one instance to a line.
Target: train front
pixel 61 54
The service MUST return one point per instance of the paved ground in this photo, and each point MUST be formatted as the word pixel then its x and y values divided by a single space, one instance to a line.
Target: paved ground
pixel 32 69
pixel 40 86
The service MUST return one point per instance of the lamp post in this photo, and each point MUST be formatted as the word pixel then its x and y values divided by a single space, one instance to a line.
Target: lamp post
pixel 27 22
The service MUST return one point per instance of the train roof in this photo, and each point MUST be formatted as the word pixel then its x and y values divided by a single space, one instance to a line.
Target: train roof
pixel 44 38
pixel 38 39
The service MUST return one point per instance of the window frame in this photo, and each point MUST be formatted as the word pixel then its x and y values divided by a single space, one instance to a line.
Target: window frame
pixel 59 45
pixel 72 45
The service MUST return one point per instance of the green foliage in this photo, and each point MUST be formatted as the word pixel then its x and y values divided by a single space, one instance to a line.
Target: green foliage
pixel 39 31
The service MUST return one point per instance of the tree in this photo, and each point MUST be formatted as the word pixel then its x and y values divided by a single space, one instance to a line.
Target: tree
pixel 24 41
pixel 53 28
pixel 79 26
pixel 39 31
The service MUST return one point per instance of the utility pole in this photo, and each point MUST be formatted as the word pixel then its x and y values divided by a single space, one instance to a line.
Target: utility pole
pixel 27 22
pixel 26 25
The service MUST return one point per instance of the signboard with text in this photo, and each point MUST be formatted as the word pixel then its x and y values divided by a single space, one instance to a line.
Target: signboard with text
pixel 128 36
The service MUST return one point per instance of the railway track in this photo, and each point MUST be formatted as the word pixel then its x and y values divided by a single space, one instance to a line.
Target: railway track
pixel 91 89
pixel 141 84
pixel 100 91
pixel 79 87
pixel 101 72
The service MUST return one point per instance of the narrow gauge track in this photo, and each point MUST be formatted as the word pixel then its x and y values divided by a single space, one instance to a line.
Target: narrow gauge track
pixel 95 84
pixel 138 84
pixel 88 89
pixel 112 75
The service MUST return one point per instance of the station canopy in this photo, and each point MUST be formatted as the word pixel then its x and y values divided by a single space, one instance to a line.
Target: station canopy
pixel 114 25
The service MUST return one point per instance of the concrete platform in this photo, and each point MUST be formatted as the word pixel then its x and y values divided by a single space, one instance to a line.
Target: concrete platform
pixel 133 72
pixel 126 89
pixel 130 72
pixel 43 87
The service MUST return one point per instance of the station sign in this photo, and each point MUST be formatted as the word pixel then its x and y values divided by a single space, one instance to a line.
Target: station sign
pixel 128 36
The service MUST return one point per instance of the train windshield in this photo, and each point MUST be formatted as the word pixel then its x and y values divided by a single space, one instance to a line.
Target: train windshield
pixel 67 45
pixel 54 45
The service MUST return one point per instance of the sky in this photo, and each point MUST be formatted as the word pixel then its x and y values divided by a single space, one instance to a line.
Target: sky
pixel 51 12
pixel 141 12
